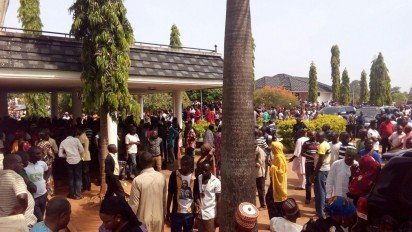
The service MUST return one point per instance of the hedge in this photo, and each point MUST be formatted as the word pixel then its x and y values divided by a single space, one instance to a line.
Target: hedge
pixel 285 127
pixel 201 128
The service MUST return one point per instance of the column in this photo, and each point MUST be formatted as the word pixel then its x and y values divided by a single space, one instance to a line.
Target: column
pixel 3 104
pixel 141 103
pixel 54 104
pixel 76 104
pixel 177 100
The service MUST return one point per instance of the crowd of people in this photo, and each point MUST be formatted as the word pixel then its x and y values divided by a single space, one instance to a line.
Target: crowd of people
pixel 341 168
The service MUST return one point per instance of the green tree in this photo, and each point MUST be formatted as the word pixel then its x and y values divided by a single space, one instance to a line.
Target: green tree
pixel 208 95
pixel 175 37
pixel 400 98
pixel 345 89
pixel 64 102
pixel 238 182
pixel 380 83
pixel 274 96
pixel 106 36
pixel 36 104
pixel 162 101
pixel 313 84
pixel 29 15
pixel 335 64
pixel 364 92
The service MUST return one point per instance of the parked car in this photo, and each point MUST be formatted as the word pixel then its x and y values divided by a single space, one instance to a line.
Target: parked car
pixel 339 110
pixel 369 113
pixel 396 153
pixel 390 202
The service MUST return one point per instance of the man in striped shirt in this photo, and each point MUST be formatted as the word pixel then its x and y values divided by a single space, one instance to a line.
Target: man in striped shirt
pixel 309 149
pixel 345 140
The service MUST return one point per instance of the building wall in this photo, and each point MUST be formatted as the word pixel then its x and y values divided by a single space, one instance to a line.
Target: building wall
pixel 322 97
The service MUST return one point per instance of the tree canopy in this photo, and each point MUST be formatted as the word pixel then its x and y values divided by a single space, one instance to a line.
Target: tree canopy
pixel 335 65
pixel 313 84
pixel 175 37
pixel 345 90
pixel 364 92
pixel 380 83
pixel 29 16
pixel 106 35
pixel 274 96
pixel 208 95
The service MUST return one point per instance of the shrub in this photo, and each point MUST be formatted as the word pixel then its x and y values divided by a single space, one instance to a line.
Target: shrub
pixel 285 127
pixel 201 128
pixel 274 96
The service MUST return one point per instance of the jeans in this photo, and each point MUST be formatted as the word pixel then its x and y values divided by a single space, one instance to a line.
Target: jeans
pixel 40 207
pixel 309 168
pixel 75 179
pixel 320 192
pixel 133 163
pixel 386 146
pixel 179 221
pixel 170 154
pixel 260 185
pixel 86 175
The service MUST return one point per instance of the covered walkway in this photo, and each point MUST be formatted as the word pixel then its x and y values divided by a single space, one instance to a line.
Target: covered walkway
pixel 51 63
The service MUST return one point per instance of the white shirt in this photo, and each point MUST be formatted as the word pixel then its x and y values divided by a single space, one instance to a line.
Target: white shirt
pixel 338 179
pixel 116 164
pixel 35 172
pixel 132 138
pixel 280 224
pixel 71 148
pixel 208 202
pixel 374 134
pixel 334 151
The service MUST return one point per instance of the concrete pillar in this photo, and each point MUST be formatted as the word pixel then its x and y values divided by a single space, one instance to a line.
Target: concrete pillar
pixel 111 130
pixel 54 104
pixel 177 100
pixel 141 103
pixel 3 104
pixel 76 104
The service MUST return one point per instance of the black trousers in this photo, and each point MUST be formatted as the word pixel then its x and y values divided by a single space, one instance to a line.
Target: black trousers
pixel 86 175
pixel 309 169
pixel 114 187
pixel 40 207
pixel 386 146
pixel 260 185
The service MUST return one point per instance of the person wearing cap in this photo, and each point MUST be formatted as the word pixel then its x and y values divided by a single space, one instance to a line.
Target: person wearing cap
pixel 338 178
pixel 341 215
pixel 287 223
pixel 246 217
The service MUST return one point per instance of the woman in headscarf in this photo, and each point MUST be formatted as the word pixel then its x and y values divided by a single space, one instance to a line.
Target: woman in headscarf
pixel 363 177
pixel 117 216
pixel 206 156
pixel 277 192
pixel 341 215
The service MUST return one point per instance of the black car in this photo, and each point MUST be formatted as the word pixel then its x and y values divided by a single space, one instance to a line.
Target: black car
pixel 396 153
pixel 390 200
pixel 339 110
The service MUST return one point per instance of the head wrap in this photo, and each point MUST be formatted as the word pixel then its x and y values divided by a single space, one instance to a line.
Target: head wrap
pixel 340 206
pixel 277 148
pixel 364 178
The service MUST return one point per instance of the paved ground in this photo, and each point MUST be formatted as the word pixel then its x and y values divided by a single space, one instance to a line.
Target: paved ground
pixel 85 212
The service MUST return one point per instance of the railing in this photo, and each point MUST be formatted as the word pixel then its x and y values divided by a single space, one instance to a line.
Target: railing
pixel 67 35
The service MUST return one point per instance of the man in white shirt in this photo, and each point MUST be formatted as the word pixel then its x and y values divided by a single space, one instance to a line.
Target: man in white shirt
pixel 37 172
pixel 207 197
pixel 298 160
pixel 132 141
pixel 288 222
pixel 338 178
pixel 71 148
pixel 374 134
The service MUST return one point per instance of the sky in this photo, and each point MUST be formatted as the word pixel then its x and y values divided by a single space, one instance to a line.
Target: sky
pixel 289 35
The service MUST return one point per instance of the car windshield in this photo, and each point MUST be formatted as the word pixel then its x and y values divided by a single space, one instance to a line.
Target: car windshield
pixel 370 112
pixel 332 110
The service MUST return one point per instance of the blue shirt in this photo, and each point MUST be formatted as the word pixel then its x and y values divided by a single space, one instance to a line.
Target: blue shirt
pixel 375 155
pixel 40 227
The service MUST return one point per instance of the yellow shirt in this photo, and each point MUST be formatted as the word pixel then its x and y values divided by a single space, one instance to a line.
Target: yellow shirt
pixel 323 149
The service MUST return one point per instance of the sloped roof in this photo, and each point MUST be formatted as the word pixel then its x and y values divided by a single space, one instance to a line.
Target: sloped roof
pixel 291 83
pixel 24 51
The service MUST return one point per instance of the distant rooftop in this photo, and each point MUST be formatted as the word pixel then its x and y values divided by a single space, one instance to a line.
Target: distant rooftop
pixel 291 83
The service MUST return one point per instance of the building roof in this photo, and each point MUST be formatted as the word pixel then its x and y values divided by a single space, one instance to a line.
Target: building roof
pixel 24 51
pixel 291 83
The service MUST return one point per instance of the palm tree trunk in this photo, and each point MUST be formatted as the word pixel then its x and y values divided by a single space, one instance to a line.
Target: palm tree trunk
pixel 104 137
pixel 238 179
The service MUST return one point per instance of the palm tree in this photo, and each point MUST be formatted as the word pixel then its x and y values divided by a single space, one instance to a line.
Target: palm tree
pixel 238 183
pixel 4 4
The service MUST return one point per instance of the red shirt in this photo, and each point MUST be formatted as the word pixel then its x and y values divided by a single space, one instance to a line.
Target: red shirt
pixel 386 129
